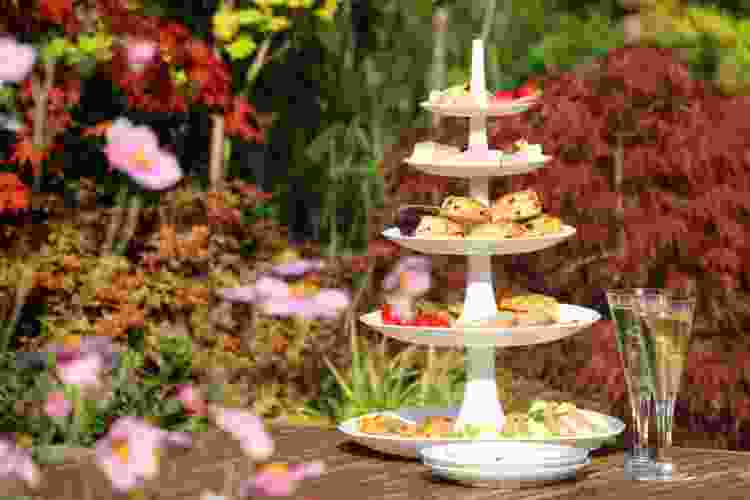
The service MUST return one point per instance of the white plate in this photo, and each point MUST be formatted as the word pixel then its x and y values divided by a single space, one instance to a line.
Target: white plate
pixel 411 447
pixel 572 320
pixel 503 456
pixel 493 108
pixel 466 246
pixel 456 167
pixel 497 479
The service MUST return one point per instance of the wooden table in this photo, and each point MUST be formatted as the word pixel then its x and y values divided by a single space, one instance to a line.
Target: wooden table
pixel 357 473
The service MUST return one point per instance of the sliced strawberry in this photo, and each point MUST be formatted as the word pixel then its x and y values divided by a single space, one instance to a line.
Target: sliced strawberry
pixel 528 89
pixel 504 95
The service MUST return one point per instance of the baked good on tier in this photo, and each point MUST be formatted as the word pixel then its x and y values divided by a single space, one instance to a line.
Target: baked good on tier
pixel 542 225
pixel 500 231
pixel 533 309
pixel 465 210
pixel 431 227
pixel 517 206
pixel 427 151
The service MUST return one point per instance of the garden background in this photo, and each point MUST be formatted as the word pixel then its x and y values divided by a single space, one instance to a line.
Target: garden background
pixel 290 120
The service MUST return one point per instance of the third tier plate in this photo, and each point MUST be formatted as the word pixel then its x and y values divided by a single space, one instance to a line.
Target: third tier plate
pixel 572 320
pixel 470 109
pixel 485 247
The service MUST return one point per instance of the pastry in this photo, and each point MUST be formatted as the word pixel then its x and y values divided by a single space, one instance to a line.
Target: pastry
pixel 517 206
pixel 465 210
pixel 430 227
pixel 542 225
pixel 532 309
pixel 499 231
pixel 425 152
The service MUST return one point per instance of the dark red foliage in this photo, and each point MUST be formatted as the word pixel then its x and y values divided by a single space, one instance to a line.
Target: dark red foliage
pixel 686 170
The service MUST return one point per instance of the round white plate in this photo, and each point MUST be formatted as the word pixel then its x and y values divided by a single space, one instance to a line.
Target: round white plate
pixel 572 320
pixel 506 479
pixel 455 166
pixel 412 447
pixel 493 108
pixel 505 456
pixel 467 246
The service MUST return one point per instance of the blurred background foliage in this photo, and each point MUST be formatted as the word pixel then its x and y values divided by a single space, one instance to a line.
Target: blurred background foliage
pixel 345 91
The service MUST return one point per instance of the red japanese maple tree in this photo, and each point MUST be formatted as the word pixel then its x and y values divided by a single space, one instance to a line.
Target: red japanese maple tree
pixel 652 168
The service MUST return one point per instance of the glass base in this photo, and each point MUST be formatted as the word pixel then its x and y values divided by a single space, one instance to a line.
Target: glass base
pixel 641 466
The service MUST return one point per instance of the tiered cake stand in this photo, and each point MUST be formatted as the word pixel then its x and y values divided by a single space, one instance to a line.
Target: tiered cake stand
pixel 481 408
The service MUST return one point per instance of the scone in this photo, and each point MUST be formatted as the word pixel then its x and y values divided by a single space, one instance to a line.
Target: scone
pixel 499 231
pixel 465 210
pixel 517 206
pixel 431 227
pixel 543 225
pixel 532 309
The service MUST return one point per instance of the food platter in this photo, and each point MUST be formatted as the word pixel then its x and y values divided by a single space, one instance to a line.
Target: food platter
pixel 412 447
pixel 493 109
pixel 478 247
pixel 573 319
pixel 455 166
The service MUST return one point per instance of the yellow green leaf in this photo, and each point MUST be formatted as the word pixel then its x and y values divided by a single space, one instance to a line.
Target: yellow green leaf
pixel 226 24
pixel 241 48
pixel 56 48
pixel 250 16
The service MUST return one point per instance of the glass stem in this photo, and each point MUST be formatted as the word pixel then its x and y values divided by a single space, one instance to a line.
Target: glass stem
pixel 664 417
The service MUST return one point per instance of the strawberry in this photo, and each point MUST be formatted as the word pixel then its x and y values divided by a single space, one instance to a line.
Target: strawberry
pixel 504 96
pixel 528 89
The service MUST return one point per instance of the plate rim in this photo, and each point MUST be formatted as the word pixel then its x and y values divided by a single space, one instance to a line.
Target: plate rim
pixel 566 231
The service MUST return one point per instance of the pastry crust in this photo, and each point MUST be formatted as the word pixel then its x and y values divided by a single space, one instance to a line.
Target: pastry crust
pixel 465 210
pixel 543 225
pixel 516 206
pixel 430 227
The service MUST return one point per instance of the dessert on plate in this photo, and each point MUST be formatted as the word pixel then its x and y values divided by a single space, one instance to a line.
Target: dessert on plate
pixel 427 151
pixel 537 419
pixel 465 210
pixel 522 150
pixel 517 206
pixel 542 225
pixel 498 231
pixel 438 227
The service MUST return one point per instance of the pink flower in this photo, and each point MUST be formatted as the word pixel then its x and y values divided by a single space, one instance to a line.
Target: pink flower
pixel 297 268
pixel 280 480
pixel 412 275
pixel 264 289
pixel 247 428
pixel 328 303
pixel 129 453
pixel 80 371
pixel 16 60
pixel 17 462
pixel 57 405
pixel 191 400
pixel 140 53
pixel 135 151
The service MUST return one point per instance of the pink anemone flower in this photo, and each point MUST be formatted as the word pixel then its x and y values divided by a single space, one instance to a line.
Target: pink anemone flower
pixel 280 479
pixel 17 462
pixel 247 428
pixel 129 453
pixel 140 52
pixel 135 151
pixel 16 60
pixel 57 405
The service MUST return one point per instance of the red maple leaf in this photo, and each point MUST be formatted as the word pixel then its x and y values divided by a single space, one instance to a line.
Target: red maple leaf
pixel 14 194
pixel 56 10
pixel 24 153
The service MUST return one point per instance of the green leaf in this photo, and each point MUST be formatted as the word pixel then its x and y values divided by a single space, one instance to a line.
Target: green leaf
pixel 250 16
pixel 319 146
pixel 241 48
pixel 56 48
pixel 330 38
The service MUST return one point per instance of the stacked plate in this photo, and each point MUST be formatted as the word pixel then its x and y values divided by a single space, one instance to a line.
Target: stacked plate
pixel 504 465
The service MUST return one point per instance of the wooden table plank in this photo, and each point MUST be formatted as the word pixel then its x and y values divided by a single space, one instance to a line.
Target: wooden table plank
pixel 359 473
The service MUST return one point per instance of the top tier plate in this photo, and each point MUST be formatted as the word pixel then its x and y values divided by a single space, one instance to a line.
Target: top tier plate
pixel 493 109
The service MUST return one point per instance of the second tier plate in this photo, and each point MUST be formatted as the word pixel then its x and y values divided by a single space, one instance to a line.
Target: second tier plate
pixel 493 109
pixel 572 320
pixel 457 167
pixel 468 246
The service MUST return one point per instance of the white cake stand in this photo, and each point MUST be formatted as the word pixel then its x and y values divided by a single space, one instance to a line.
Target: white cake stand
pixel 481 408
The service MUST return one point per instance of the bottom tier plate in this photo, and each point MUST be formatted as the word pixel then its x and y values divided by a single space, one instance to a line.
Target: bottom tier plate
pixel 488 479
pixel 411 447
